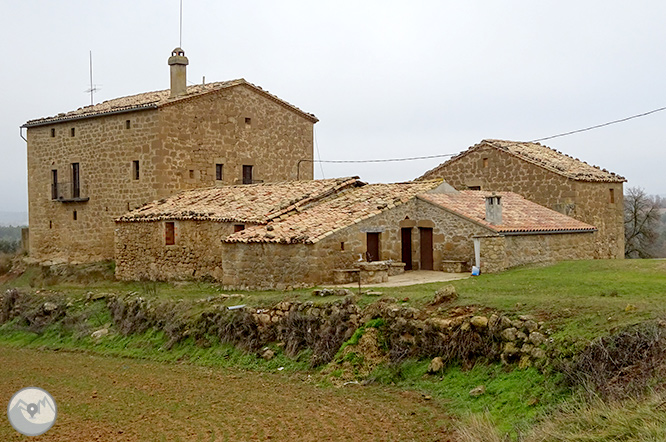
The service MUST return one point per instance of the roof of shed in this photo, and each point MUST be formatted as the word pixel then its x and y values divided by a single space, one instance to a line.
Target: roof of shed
pixel 518 214
pixel 331 215
pixel 542 156
pixel 156 99
pixel 248 203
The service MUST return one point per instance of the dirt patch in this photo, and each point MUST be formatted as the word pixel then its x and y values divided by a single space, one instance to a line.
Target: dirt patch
pixel 103 399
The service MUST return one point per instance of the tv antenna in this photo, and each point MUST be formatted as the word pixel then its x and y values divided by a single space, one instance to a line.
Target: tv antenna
pixel 93 87
pixel 180 41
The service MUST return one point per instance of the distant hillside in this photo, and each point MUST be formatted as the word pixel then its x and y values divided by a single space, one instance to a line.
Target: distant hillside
pixel 13 218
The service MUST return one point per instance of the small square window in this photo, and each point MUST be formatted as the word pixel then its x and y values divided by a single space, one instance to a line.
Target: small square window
pixel 169 233
pixel 248 121
pixel 73 132
pixel 238 227
pixel 128 124
pixel 53 133
pixel 219 172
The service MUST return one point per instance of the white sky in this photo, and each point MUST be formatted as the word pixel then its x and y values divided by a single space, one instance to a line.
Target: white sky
pixel 386 78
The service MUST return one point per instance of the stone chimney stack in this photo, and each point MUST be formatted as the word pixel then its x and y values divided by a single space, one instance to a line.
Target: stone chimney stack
pixel 178 62
pixel 494 209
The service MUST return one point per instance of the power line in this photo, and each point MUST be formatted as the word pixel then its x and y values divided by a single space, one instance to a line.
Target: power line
pixel 599 125
pixel 385 160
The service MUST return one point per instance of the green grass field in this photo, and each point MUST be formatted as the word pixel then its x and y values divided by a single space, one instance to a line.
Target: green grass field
pixel 579 301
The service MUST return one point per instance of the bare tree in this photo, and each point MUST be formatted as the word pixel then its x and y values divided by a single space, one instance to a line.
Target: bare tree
pixel 641 223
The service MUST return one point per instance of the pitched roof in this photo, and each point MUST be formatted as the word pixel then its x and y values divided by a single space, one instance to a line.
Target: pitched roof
pixel 518 214
pixel 331 215
pixel 249 203
pixel 157 99
pixel 542 156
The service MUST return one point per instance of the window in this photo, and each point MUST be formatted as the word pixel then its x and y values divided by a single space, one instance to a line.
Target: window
pixel 485 163
pixel 76 181
pixel 128 124
pixel 611 196
pixel 248 121
pixel 54 184
pixel 247 174
pixel 238 227
pixel 135 169
pixel 219 172
pixel 50 224
pixel 474 187
pixel 169 233
pixel 342 246
pixel 191 174
pixel 53 133
pixel 74 215
pixel 73 132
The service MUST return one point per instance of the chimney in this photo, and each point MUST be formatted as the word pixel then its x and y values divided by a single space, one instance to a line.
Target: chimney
pixel 494 209
pixel 178 62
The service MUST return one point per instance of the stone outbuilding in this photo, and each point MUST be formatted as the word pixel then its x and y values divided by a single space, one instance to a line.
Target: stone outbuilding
pixel 291 236
pixel 89 166
pixel 546 177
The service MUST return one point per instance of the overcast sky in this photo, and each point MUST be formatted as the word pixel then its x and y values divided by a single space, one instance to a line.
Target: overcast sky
pixel 387 79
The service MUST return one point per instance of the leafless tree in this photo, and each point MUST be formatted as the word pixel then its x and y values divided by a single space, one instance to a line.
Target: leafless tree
pixel 641 223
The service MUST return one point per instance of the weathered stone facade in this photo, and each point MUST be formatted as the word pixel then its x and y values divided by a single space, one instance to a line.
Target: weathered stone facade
pixel 594 198
pixel 130 154
pixel 502 252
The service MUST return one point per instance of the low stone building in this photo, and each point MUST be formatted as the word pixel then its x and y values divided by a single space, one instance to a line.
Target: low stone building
pixel 180 237
pixel 330 225
pixel 547 177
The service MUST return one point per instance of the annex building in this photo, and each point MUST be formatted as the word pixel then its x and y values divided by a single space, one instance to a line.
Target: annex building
pixel 309 232
pixel 547 177
pixel 91 165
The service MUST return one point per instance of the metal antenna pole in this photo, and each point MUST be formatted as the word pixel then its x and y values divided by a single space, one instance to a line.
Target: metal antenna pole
pixel 180 45
pixel 92 89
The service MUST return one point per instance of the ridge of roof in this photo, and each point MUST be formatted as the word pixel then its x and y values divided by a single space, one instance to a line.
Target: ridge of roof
pixel 157 99
pixel 246 203
pixel 519 215
pixel 541 156
pixel 326 217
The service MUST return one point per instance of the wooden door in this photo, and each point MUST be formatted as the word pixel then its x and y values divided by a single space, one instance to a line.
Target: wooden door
pixel 247 175
pixel 426 248
pixel 407 247
pixel 372 253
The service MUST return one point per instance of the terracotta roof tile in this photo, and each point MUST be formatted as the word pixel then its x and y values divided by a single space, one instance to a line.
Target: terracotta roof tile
pixel 542 156
pixel 322 219
pixel 249 203
pixel 156 99
pixel 518 214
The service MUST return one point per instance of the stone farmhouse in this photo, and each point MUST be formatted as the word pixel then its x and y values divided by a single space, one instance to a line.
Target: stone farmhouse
pixel 317 232
pixel 547 177
pixel 91 165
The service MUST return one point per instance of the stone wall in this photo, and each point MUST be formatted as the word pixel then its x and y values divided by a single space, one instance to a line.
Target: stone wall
pixel 177 147
pixel 503 252
pixel 586 201
pixel 141 252
pixel 104 149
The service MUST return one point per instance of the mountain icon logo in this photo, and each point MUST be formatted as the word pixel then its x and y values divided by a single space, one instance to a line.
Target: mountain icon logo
pixel 32 411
